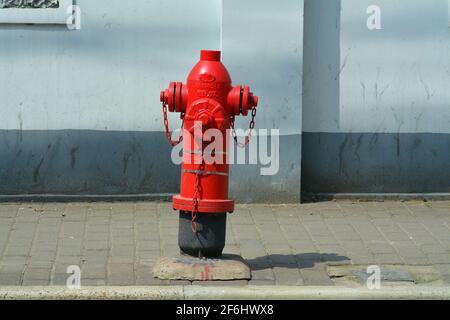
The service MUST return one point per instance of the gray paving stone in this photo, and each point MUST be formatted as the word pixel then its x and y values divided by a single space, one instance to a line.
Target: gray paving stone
pixel 97 236
pixel 93 282
pixel 362 258
pixel 148 245
pixel 283 259
pixel 39 248
pixel 11 275
pixel 269 236
pixel 397 236
pixel 67 260
pixel 246 232
pixel 20 241
pixel 331 250
pixel 425 240
pixel 309 260
pixel 123 241
pixel 316 277
pixel 96 245
pixel 242 220
pixel 434 248
pixel 121 274
pixel 446 279
pixel 147 255
pixel 347 236
pixel 288 276
pixel 261 282
pixel 98 224
pixel 387 258
pixel 324 240
pixel 13 259
pixel 416 261
pixel 310 217
pixel 35 282
pixel 96 255
pixel 37 273
pixel 148 280
pixel 41 258
pixel 444 269
pixel 70 250
pixel 123 250
pixel 94 270
pixel 22 250
pixel 59 279
pixel 438 258
pixel 302 246
pixel 170 250
pixel 343 227
pixel 121 259
pixel 380 248
pixel 275 241
pixel 54 206
pixel 263 274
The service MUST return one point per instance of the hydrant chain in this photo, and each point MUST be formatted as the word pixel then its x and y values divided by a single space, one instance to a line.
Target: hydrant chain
pixel 197 194
pixel 166 125
pixel 249 135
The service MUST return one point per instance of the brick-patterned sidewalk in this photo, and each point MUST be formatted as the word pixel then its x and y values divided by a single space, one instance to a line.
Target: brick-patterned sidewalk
pixel 118 243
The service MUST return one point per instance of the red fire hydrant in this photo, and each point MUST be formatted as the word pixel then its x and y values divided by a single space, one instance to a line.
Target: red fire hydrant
pixel 207 102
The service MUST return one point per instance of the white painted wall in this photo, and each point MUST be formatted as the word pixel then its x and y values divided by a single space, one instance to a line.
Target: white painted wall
pixel 262 41
pixel 108 75
pixel 263 47
pixel 321 66
pixel 396 79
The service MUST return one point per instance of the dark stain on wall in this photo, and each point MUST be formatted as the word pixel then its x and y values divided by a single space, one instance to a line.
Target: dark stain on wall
pixel 85 162
pixel 375 163
pixel 82 162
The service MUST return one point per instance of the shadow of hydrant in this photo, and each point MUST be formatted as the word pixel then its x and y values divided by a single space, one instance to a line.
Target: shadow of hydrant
pixel 295 261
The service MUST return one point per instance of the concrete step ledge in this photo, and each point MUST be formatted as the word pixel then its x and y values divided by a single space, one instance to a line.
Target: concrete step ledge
pixel 93 293
pixel 223 293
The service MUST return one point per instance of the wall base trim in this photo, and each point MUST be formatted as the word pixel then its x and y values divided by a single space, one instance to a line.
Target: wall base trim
pixel 85 198
pixel 308 197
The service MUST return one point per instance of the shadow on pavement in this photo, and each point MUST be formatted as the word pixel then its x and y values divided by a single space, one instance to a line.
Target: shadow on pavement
pixel 295 261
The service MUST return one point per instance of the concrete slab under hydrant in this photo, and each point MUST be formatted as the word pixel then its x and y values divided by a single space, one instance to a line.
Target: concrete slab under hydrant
pixel 227 267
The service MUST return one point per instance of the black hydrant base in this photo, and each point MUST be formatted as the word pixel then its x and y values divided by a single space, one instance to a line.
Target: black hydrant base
pixel 209 240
